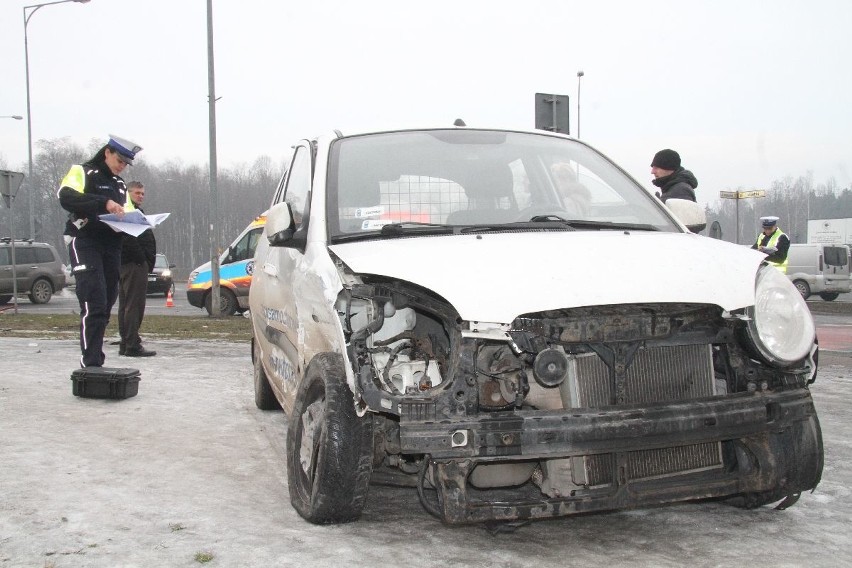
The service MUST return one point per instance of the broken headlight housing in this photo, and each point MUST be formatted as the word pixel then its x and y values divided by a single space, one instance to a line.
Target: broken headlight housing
pixel 780 327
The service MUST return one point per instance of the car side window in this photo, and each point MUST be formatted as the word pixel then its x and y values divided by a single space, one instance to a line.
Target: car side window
pixel 298 188
pixel 244 249
pixel 279 189
pixel 5 256
pixel 43 255
pixel 25 256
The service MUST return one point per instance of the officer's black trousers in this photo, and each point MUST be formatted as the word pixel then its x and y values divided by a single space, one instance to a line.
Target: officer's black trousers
pixel 96 269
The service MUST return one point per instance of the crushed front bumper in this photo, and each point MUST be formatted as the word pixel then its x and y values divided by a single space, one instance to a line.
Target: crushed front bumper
pixel 771 443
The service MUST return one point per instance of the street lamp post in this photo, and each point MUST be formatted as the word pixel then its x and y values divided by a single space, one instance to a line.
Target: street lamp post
pixel 214 195
pixel 579 76
pixel 27 15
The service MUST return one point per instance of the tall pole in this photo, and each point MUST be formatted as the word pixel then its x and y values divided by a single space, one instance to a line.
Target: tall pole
pixel 29 125
pixel 30 188
pixel 579 76
pixel 738 219
pixel 214 213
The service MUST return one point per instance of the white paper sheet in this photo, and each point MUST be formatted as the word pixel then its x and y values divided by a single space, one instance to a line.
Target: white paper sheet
pixel 133 223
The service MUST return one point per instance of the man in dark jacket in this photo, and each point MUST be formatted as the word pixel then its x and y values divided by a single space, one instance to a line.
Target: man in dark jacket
pixel 674 181
pixel 137 261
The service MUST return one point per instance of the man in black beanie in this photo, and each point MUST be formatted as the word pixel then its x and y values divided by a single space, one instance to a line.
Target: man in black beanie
pixel 674 181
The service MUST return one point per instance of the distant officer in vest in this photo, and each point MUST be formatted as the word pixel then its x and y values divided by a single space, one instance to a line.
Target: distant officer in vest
pixel 773 243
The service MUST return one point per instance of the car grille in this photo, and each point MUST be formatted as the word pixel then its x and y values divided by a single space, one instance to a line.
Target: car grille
pixel 661 374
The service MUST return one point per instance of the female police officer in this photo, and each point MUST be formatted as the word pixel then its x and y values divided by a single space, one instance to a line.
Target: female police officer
pixel 86 191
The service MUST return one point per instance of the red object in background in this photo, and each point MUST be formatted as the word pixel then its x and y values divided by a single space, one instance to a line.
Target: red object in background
pixel 407 216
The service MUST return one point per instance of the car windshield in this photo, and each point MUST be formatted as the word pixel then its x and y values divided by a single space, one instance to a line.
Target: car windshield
pixel 160 262
pixel 459 180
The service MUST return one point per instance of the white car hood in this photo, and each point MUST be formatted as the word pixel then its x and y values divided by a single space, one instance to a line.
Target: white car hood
pixel 495 277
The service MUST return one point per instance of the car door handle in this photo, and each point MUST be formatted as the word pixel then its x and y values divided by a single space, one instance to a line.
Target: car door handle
pixel 270 269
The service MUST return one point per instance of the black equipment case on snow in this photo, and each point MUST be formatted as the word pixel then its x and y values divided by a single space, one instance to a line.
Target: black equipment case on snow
pixel 105 382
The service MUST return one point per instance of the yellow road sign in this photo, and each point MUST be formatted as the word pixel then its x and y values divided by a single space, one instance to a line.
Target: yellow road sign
pixel 755 193
pixel 742 194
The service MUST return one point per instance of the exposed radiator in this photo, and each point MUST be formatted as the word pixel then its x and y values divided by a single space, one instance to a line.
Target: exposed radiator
pixel 661 374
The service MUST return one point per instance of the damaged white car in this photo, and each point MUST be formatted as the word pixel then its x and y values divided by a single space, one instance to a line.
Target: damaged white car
pixel 509 322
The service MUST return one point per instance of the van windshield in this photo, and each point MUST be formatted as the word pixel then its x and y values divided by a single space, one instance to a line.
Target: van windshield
pixel 243 248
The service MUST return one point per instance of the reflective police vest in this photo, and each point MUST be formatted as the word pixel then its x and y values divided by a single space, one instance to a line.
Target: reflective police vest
pixel 773 242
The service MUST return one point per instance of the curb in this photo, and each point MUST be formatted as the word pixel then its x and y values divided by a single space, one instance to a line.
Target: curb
pixel 830 307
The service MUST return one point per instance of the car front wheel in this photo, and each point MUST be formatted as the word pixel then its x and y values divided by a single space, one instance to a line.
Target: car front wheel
pixel 41 292
pixel 227 302
pixel 329 447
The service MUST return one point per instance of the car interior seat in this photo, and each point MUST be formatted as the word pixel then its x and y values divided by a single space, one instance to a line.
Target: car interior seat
pixel 491 198
pixel 354 197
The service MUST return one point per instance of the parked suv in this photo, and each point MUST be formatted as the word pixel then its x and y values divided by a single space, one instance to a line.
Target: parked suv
pixel 511 323
pixel 38 269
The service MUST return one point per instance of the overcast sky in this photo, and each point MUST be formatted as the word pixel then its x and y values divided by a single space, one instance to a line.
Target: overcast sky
pixel 748 92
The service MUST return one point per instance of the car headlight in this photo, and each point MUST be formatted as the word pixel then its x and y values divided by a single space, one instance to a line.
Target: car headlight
pixel 781 326
pixel 192 276
pixel 167 273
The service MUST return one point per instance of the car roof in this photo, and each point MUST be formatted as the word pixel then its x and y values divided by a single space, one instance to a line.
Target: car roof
pixel 5 241
pixel 341 134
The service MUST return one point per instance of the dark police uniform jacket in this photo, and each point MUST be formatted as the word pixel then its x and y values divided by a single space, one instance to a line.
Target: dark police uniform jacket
pixel 84 192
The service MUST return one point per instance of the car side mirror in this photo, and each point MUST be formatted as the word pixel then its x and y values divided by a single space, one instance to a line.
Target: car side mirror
pixel 280 227
pixel 172 265
pixel 689 213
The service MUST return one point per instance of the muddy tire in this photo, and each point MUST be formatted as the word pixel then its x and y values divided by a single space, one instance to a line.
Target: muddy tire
pixel 329 448
pixel 803 288
pixel 227 302
pixel 264 397
pixel 829 296
pixel 41 291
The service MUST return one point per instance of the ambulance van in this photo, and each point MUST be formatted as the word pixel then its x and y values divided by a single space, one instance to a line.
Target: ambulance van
pixel 235 270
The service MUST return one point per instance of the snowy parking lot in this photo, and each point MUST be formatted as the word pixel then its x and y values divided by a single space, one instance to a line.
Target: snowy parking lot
pixel 189 471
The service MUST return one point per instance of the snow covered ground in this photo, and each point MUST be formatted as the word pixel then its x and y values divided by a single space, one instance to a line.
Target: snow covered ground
pixel 190 467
